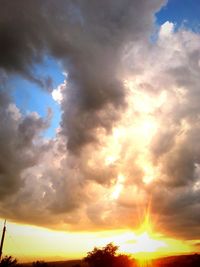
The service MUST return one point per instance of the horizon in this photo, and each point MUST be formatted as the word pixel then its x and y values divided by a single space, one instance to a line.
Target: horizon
pixel 99 127
pixel 41 237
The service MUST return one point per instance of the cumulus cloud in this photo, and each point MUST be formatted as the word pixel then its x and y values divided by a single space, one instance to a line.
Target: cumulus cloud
pixel 90 39
pixel 129 131
pixel 18 150
pixel 173 148
pixel 57 94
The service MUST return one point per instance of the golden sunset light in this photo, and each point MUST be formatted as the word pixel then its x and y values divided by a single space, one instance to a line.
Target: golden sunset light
pixel 99 133
pixel 143 243
pixel 147 244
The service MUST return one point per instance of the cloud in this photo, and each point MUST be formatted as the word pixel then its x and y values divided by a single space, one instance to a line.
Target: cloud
pixel 129 132
pixel 89 39
pixel 18 151
pixel 57 94
pixel 173 149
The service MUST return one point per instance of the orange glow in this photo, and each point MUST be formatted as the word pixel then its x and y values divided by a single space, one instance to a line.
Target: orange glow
pixel 145 244
pixel 45 244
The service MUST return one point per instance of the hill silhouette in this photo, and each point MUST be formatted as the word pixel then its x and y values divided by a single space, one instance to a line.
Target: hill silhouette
pixel 108 257
pixel 172 261
pixel 178 261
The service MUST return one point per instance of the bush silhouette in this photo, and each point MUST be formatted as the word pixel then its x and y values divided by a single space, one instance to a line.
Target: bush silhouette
pixel 39 264
pixel 8 261
pixel 106 257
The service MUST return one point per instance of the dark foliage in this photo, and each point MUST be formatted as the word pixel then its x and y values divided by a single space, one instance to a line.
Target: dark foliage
pixel 8 261
pixel 106 257
pixel 39 264
pixel 176 261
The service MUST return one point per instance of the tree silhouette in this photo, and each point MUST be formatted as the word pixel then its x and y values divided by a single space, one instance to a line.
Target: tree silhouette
pixel 39 264
pixel 124 261
pixel 8 261
pixel 106 257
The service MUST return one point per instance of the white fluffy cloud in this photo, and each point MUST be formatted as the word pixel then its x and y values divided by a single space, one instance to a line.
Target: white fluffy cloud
pixel 57 94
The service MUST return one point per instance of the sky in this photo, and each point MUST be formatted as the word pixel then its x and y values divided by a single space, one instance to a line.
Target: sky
pixel 99 126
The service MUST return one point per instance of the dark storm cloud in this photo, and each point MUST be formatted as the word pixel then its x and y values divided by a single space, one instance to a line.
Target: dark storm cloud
pixel 95 65
pixel 178 210
pixel 18 151
pixel 21 42
pixel 89 38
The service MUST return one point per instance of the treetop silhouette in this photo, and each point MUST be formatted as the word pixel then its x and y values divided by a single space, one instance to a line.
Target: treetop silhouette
pixel 107 257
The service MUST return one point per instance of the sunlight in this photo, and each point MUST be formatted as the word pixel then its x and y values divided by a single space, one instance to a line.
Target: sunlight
pixel 149 171
pixel 109 160
pixel 99 132
pixel 146 240
pixel 118 187
pixel 144 263
pixel 145 243
pixel 51 244
pixel 142 101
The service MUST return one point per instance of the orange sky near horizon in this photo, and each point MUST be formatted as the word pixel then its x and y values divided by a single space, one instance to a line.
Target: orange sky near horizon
pixel 30 243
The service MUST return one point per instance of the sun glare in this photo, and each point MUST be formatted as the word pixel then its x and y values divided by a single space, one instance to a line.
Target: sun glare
pixel 145 243
pixel 118 187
